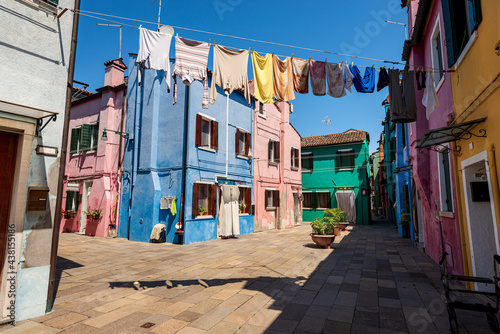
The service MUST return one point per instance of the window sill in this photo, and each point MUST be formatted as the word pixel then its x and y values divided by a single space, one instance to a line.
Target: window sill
pixel 294 168
pixel 440 84
pixel 244 157
pixel 322 209
pixel 244 214
pixel 262 116
pixel 208 149
pixel 345 169
pixel 204 217
pixel 446 214
pixel 464 52
pixel 274 163
pixel 271 208
pixel 307 171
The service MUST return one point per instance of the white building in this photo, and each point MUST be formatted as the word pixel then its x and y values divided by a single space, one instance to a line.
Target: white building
pixel 34 62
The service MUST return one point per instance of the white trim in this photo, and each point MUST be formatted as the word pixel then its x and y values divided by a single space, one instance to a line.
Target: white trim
pixel 243 186
pixel 242 130
pixel 205 182
pixel 465 163
pixel 264 114
pixel 323 191
pixel 206 116
pixel 272 139
pixel 442 150
pixel 346 150
pixel 471 41
pixel 272 189
pixel 242 157
pixel 435 30
pixel 204 217
pixel 206 148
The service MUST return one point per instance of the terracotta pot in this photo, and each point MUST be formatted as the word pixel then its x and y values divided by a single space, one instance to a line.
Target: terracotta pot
pixel 336 231
pixel 322 241
pixel 343 225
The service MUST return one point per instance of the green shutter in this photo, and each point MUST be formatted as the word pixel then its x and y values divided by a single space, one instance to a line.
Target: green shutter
pixel 314 200
pixel 475 15
pixel 95 135
pixel 449 30
pixel 74 141
pixel 455 27
pixel 86 137
pixel 69 200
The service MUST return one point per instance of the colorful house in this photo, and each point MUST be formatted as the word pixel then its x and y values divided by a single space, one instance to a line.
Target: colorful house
pixel 35 60
pixel 388 165
pixel 92 176
pixel 335 173
pixel 277 177
pixel 436 211
pixel 473 49
pixel 188 155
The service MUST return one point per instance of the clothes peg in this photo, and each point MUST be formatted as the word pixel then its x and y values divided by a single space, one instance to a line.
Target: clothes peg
pixel 373 65
pixel 326 60
pixel 310 58
pixel 252 49
pixel 209 41
pixel 352 64
pixel 292 55
pixel 341 63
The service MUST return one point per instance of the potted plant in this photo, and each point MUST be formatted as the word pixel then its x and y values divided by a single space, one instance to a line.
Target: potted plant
pixel 323 232
pixel 242 207
pixel 202 211
pixel 339 217
pixel 93 214
pixel 405 224
pixel 69 214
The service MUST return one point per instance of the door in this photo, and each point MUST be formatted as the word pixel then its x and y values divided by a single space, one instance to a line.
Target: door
pixel 8 152
pixel 420 224
pixel 347 203
pixel 87 187
pixel 297 218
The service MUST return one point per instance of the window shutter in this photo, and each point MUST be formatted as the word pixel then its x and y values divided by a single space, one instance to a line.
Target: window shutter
pixel 314 200
pixel 297 160
pixel 237 142
pixel 475 15
pixel 276 151
pixel 215 134
pixel 86 137
pixel 248 140
pixel 198 130
pixel 95 135
pixel 266 196
pixel 74 141
pixel 338 160
pixel 448 30
pixel 276 198
pixel 248 200
pixel 270 147
pixel 69 200
pixel 196 194
pixel 213 200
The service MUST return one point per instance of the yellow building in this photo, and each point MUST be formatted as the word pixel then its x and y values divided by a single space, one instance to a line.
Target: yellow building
pixel 472 40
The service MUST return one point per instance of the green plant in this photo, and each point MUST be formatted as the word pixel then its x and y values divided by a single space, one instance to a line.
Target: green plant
pixel 336 214
pixel 242 207
pixel 323 226
pixel 94 213
pixel 405 220
pixel 201 210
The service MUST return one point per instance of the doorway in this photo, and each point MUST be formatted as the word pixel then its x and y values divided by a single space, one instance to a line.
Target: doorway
pixel 481 220
pixel 420 224
pixel 8 153
pixel 87 187
pixel 297 217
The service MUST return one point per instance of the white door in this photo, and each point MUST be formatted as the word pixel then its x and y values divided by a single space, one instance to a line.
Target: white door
pixel 87 187
pixel 297 218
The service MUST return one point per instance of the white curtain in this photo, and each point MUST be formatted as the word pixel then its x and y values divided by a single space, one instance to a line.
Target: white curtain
pixel 229 215
pixel 347 203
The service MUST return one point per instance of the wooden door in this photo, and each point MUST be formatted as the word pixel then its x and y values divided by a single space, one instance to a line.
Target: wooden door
pixel 8 150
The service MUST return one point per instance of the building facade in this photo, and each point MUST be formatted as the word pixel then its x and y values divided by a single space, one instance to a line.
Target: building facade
pixel 277 177
pixel 183 153
pixel 335 173
pixel 92 174
pixel 35 59
pixel 388 165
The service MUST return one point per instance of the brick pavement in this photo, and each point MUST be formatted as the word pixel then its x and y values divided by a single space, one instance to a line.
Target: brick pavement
pixel 372 281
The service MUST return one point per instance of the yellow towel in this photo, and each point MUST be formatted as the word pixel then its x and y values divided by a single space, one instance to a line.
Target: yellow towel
pixel 263 77
pixel 173 208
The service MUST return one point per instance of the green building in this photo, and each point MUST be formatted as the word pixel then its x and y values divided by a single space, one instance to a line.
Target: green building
pixel 336 173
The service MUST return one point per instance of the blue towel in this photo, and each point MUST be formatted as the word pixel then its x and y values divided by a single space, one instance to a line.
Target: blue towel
pixel 365 84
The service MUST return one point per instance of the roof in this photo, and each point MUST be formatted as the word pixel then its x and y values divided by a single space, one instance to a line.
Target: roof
pixel 349 136
pixel 79 93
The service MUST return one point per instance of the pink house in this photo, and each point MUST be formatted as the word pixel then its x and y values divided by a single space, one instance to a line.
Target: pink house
pixel 435 202
pixel 277 176
pixel 93 167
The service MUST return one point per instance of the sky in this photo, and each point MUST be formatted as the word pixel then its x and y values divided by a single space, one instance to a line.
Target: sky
pixel 355 28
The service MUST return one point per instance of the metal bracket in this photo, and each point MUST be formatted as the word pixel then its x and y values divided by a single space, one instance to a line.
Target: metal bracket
pixel 441 149
pixel 40 126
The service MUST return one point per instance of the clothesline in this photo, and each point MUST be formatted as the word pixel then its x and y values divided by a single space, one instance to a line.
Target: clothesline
pixel 87 13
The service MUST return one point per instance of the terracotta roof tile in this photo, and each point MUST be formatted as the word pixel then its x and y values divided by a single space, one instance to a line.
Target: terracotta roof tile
pixel 349 136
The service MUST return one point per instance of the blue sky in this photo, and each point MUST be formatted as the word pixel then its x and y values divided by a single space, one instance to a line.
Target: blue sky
pixel 348 27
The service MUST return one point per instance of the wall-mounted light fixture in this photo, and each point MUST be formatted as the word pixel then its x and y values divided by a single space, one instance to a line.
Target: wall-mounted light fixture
pixel 363 192
pixel 105 134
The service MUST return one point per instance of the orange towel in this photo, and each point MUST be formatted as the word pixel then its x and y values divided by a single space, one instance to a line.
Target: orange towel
pixel 283 79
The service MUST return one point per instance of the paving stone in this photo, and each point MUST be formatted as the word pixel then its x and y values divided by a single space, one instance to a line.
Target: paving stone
pixel 341 313
pixel 336 327
pixel 346 298
pixel 65 320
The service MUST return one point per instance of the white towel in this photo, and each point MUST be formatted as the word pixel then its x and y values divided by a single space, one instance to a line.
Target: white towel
pixel 430 99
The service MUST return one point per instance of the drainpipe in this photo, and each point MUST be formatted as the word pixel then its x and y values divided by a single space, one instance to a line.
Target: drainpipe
pixel 62 161
pixel 182 211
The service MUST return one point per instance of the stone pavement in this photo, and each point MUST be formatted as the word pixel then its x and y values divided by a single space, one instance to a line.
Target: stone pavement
pixel 373 281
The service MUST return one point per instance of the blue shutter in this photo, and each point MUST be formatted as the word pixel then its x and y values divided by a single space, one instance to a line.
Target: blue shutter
pixel 449 31
pixel 475 15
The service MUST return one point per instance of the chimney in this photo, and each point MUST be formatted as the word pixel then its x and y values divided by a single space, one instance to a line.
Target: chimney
pixel 113 74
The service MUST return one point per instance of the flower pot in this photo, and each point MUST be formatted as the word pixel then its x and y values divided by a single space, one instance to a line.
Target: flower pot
pixel 89 216
pixel 336 231
pixel 343 225
pixel 322 241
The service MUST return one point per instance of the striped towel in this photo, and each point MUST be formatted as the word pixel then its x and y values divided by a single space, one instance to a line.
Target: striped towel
pixel 191 58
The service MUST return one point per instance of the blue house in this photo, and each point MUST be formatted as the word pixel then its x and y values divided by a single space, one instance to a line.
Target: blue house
pixel 186 153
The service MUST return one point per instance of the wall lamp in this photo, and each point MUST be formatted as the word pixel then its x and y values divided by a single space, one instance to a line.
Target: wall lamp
pixel 105 134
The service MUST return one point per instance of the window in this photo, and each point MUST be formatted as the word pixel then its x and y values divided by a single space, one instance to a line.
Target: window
pixel 345 159
pixel 461 18
pixel 204 199
pixel 306 201
pixel 323 200
pixel 245 200
pixel 84 138
pixel 261 109
pixel 274 151
pixel 392 148
pixel 307 161
pixel 437 54
pixel 72 201
pixel 272 199
pixel 445 181
pixel 243 142
pixel 207 132
pixel 294 157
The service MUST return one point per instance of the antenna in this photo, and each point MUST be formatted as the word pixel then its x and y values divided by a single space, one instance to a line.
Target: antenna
pixel 328 123
pixel 118 26
pixel 159 11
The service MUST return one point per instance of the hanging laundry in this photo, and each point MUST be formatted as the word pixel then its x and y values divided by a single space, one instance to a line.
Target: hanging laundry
pixel 318 74
pixel 430 99
pixel 263 77
pixel 191 58
pixel 335 78
pixel 348 77
pixel 402 97
pixel 229 72
pixel 154 49
pixel 229 217
pixel 383 79
pixel 283 79
pixel 420 76
pixel 365 84
pixel 173 207
pixel 300 75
